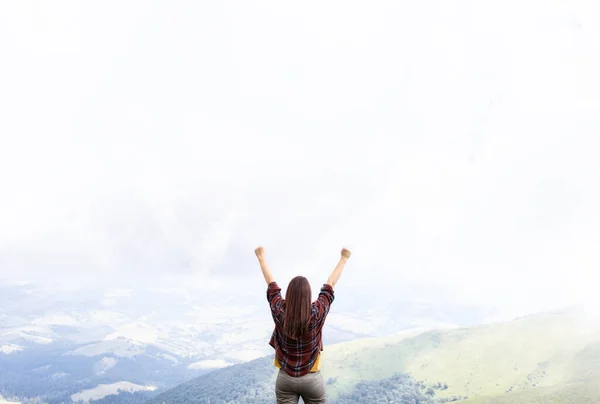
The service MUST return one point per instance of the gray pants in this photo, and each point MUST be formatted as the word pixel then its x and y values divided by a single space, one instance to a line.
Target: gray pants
pixel 310 387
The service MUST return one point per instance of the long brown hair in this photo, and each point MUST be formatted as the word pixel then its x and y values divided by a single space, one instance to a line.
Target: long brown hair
pixel 298 308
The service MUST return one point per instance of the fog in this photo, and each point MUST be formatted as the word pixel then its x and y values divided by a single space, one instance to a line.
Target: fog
pixel 450 145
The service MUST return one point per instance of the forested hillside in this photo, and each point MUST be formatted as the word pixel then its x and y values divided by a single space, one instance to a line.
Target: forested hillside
pixel 248 384
pixel 400 388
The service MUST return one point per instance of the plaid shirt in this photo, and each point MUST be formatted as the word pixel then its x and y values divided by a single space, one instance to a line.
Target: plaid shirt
pixel 297 357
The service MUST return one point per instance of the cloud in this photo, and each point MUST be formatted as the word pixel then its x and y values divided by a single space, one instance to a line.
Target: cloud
pixel 444 149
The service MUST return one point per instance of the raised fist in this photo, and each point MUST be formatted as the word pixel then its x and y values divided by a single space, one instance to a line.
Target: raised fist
pixel 346 253
pixel 259 251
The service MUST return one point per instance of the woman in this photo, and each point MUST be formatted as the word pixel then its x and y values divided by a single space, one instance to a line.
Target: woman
pixel 297 336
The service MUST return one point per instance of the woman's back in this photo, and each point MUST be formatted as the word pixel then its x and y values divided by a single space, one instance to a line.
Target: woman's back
pixel 297 356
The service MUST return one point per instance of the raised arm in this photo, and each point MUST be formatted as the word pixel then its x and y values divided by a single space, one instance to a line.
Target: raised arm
pixel 339 268
pixel 260 254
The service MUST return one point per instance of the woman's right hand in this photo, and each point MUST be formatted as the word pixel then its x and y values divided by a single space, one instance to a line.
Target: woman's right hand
pixel 337 272
pixel 260 252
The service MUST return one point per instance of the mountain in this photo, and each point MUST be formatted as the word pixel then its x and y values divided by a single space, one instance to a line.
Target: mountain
pixel 59 344
pixel 544 358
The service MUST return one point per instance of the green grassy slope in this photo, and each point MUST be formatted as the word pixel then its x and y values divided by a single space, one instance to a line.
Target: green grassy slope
pixel 581 386
pixel 538 351
pixel 548 358
pixel 580 393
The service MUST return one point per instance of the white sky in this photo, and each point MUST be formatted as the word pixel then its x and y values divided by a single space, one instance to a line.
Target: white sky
pixel 449 144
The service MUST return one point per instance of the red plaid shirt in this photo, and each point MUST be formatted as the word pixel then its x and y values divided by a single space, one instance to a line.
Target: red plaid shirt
pixel 297 357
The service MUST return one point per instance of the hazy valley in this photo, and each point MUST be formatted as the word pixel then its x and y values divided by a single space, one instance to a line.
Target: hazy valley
pixel 85 344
